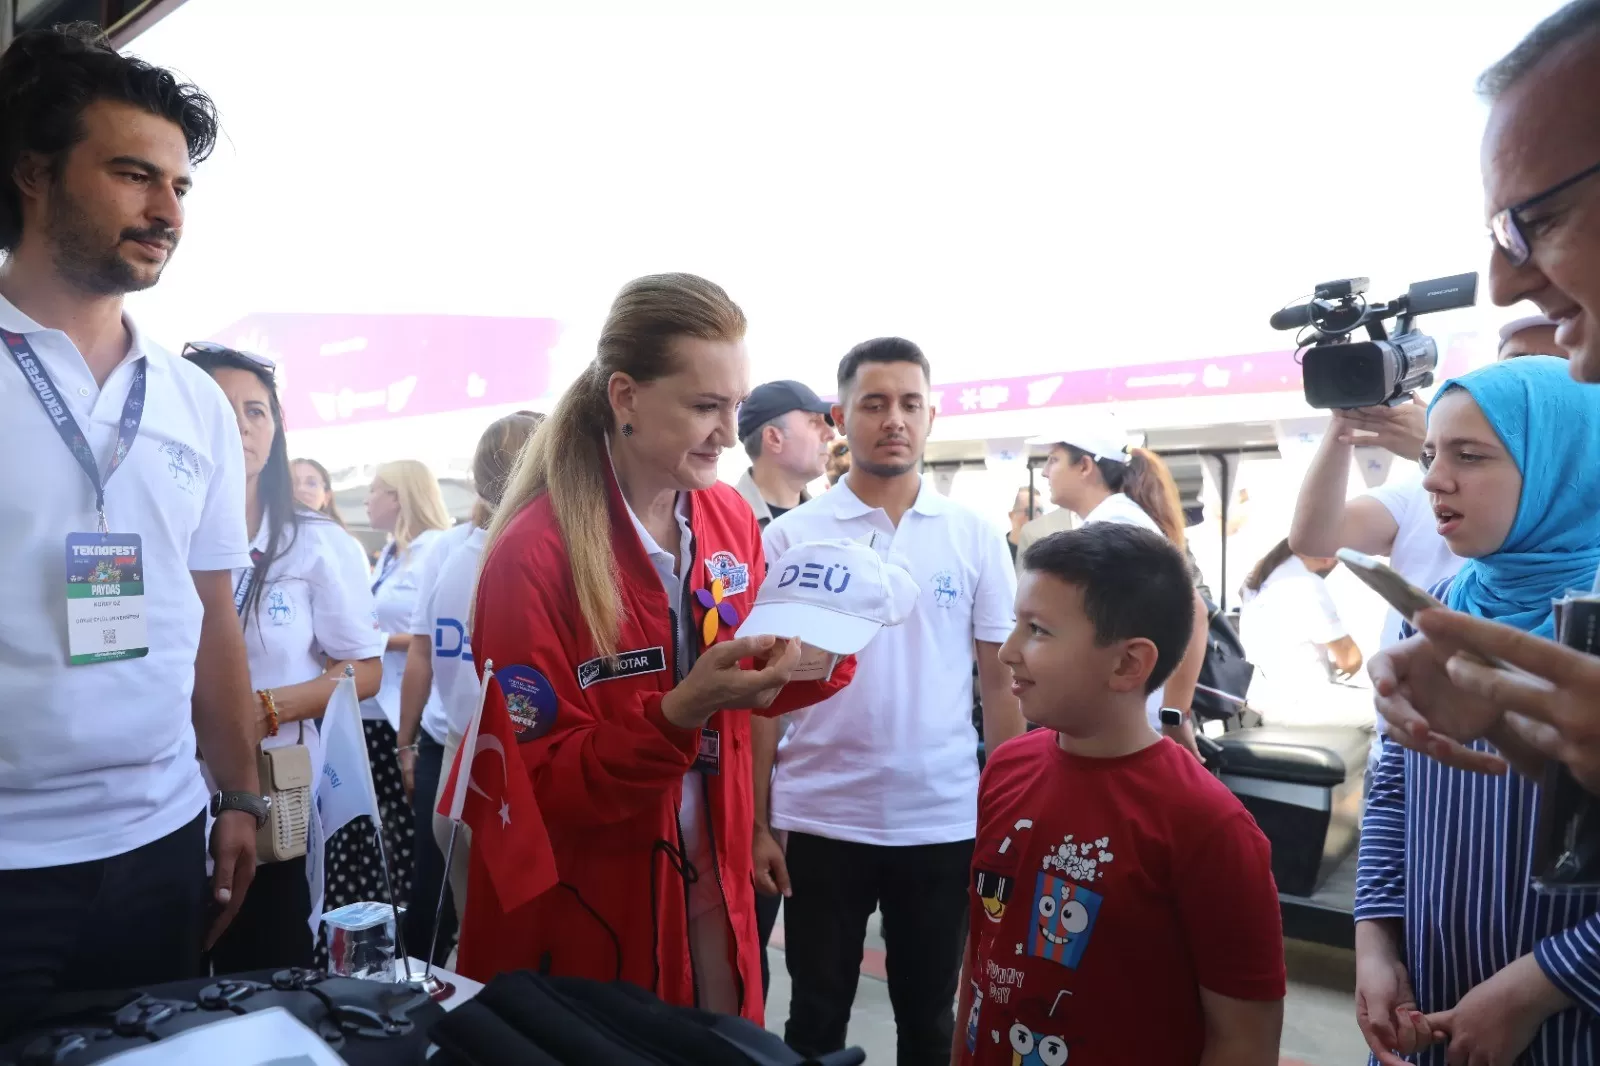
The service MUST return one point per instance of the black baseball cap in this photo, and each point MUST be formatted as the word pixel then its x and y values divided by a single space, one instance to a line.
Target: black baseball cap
pixel 777 398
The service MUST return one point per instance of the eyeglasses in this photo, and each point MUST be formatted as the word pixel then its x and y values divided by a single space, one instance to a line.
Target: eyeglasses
pixel 213 348
pixel 1506 225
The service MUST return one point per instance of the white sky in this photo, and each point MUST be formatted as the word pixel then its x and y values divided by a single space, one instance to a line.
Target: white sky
pixel 1016 191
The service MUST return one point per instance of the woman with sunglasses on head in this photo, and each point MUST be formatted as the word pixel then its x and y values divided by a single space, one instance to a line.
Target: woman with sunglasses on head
pixel 307 612
pixel 314 488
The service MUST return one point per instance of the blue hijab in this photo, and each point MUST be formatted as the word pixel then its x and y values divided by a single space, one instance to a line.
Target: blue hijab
pixel 1550 425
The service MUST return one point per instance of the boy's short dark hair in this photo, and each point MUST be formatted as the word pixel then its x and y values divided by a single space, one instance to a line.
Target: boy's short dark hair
pixel 1134 582
pixel 881 350
pixel 48 77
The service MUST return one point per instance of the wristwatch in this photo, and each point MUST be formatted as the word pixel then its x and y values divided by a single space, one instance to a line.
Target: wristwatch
pixel 248 802
pixel 1171 717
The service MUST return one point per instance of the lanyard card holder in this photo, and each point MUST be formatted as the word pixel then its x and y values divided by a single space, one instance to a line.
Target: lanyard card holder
pixel 1566 842
pixel 286 779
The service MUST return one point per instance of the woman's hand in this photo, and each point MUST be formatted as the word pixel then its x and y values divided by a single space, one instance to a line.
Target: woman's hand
pixel 1386 1006
pixel 407 757
pixel 1400 428
pixel 1496 1021
pixel 718 682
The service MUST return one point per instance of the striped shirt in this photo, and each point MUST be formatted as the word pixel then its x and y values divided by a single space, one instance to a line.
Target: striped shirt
pixel 1451 853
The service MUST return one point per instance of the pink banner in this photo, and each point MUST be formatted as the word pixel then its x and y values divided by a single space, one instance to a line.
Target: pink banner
pixel 336 370
pixel 1229 375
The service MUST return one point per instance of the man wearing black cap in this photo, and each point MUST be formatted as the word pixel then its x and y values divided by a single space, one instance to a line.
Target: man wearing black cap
pixel 785 430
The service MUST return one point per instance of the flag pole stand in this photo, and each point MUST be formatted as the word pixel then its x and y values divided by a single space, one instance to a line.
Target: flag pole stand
pixel 426 981
pixel 429 981
pixel 438 913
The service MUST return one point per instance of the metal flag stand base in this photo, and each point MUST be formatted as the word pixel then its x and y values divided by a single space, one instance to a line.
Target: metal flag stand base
pixel 431 984
pixel 425 979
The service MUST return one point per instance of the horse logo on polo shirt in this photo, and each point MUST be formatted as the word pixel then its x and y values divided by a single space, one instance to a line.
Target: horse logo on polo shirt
pixel 183 464
pixel 280 608
pixel 946 588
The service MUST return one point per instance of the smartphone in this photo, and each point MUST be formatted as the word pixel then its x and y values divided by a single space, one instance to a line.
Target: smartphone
pixel 1383 579
pixel 1401 594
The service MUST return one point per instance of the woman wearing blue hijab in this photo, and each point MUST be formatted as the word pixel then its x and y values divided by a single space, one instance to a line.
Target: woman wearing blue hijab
pixel 1458 960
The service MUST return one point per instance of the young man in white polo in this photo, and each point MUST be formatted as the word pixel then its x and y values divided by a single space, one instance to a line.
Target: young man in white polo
pixel 877 786
pixel 122 515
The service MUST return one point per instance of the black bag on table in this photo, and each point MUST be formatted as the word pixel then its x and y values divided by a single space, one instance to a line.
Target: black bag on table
pixel 525 1019
pixel 368 1023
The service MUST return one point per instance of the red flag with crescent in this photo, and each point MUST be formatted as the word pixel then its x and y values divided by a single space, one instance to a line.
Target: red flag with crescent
pixel 508 831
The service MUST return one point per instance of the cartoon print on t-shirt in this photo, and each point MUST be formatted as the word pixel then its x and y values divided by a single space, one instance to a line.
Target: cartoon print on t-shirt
pixel 1064 915
pixel 1064 911
pixel 1029 1048
pixel 972 1018
pixel 994 871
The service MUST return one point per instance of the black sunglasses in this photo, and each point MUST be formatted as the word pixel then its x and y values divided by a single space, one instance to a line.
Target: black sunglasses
pixel 213 348
pixel 1506 225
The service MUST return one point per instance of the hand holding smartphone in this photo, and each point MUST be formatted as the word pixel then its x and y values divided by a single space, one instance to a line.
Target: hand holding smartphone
pixel 1400 594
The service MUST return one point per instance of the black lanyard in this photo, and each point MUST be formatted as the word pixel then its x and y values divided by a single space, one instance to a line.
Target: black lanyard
pixel 44 389
pixel 386 565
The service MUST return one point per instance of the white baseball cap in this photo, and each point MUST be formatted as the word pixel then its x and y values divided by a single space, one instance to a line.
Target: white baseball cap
pixel 1099 440
pixel 832 594
pixel 1516 326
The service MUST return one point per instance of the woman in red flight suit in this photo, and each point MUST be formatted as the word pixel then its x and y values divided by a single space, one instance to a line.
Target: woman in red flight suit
pixel 617 570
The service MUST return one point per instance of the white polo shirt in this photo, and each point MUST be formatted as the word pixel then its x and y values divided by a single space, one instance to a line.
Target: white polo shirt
pixel 98 760
pixel 444 614
pixel 1119 507
pixel 1419 554
pixel 395 590
pixel 315 604
pixel 421 621
pixel 892 758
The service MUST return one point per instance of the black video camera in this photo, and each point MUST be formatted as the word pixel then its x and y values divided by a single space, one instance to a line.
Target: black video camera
pixel 1341 373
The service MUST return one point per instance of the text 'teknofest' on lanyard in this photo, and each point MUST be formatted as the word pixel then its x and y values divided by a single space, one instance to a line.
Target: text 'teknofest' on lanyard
pixel 71 434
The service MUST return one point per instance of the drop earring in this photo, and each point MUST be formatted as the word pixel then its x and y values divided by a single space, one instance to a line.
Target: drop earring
pixel 627 429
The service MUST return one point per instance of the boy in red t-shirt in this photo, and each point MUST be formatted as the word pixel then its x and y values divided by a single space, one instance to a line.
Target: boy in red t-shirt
pixel 1123 911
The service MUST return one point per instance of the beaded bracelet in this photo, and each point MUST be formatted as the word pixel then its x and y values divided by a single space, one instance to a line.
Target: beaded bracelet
pixel 265 695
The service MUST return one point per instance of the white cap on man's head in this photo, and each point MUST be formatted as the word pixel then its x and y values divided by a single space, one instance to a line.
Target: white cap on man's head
pixel 832 594
pixel 1511 329
pixel 1099 439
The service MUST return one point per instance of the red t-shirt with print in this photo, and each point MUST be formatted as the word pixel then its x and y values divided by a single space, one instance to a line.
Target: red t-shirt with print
pixel 1105 894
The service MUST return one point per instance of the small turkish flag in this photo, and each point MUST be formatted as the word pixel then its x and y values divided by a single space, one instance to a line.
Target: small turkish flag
pixel 508 831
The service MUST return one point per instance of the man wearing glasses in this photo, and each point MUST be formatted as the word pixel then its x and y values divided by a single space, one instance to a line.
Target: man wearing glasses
pixel 1541 174
pixel 122 516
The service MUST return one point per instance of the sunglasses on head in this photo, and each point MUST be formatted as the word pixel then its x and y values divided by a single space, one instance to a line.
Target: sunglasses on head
pixel 213 348
pixel 1507 226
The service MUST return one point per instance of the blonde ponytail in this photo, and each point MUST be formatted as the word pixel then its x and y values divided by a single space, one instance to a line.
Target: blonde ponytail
pixel 567 456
